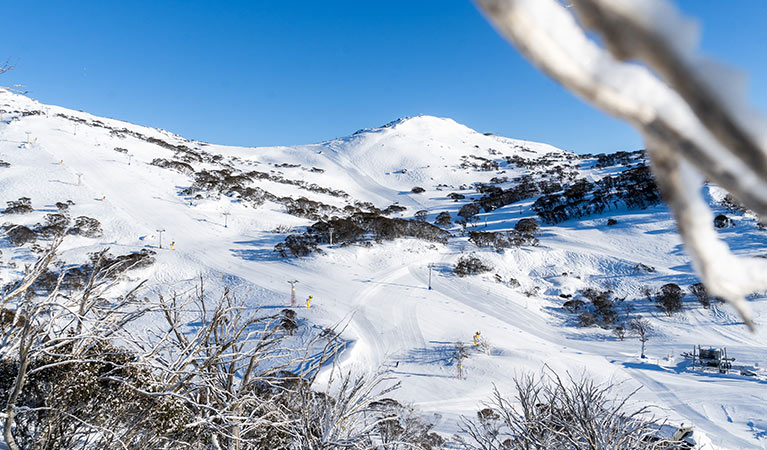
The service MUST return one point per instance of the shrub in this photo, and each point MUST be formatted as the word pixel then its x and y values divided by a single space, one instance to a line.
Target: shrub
pixel 470 265
pixel 573 306
pixel 178 166
pixel 502 240
pixel 399 426
pixel 443 219
pixel 121 263
pixel 611 222
pixel 421 215
pixel 532 292
pixel 603 307
pixel 296 245
pixel 527 226
pixel 63 207
pixel 344 230
pixel 670 298
pixel 19 235
pixel 304 207
pixel 468 210
pixel 391 209
pixel 55 224
pixel 417 190
pixel 644 268
pixel 484 346
pixel 289 325
pixel 86 227
pixel 21 206
pixel 587 319
pixel 722 221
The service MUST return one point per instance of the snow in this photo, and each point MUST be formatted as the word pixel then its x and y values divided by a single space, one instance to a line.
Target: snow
pixel 380 293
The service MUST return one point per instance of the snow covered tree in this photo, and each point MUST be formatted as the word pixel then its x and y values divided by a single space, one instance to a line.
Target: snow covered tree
pixel 552 412
pixel 642 329
pixel 54 351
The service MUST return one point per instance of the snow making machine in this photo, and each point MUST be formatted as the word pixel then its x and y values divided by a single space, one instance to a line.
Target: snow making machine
pixel 711 358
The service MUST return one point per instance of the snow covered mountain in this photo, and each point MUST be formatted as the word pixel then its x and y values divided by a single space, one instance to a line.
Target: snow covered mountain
pixel 225 209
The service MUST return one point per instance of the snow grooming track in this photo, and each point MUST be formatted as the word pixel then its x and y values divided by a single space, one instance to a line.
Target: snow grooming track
pixel 395 329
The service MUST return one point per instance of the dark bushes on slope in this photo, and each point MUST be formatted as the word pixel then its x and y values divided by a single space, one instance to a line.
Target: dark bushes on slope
pixel 392 209
pixel 55 224
pixel 470 265
pixel 500 241
pixel 19 235
pixel 21 206
pixel 87 227
pixel 633 188
pixel 297 245
pixel 670 298
pixel 178 166
pixel 523 234
pixel 443 219
pixel 109 267
pixel 357 228
pixel 722 221
pixel 601 310
pixel 527 226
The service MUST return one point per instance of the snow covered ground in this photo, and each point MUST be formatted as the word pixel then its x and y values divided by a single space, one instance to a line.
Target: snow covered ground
pixel 394 321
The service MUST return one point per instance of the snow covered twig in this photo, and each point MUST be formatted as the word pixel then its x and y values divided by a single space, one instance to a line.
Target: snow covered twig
pixel 690 126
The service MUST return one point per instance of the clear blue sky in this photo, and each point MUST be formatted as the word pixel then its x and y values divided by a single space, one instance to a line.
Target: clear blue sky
pixel 292 72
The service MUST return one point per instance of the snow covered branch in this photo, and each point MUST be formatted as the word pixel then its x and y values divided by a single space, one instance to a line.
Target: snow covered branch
pixel 690 125
pixel 551 411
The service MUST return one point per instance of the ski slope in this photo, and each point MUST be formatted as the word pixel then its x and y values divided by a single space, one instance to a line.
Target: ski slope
pixel 392 321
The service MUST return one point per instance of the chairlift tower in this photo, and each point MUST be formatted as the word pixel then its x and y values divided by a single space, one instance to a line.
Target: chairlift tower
pixel 292 292
pixel 160 231
pixel 431 267
pixel 226 219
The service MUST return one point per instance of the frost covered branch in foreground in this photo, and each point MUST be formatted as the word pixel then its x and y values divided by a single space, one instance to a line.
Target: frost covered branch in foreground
pixel 691 127
pixel 553 412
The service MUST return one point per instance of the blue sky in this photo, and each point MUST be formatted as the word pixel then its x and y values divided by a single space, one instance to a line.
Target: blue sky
pixel 292 72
